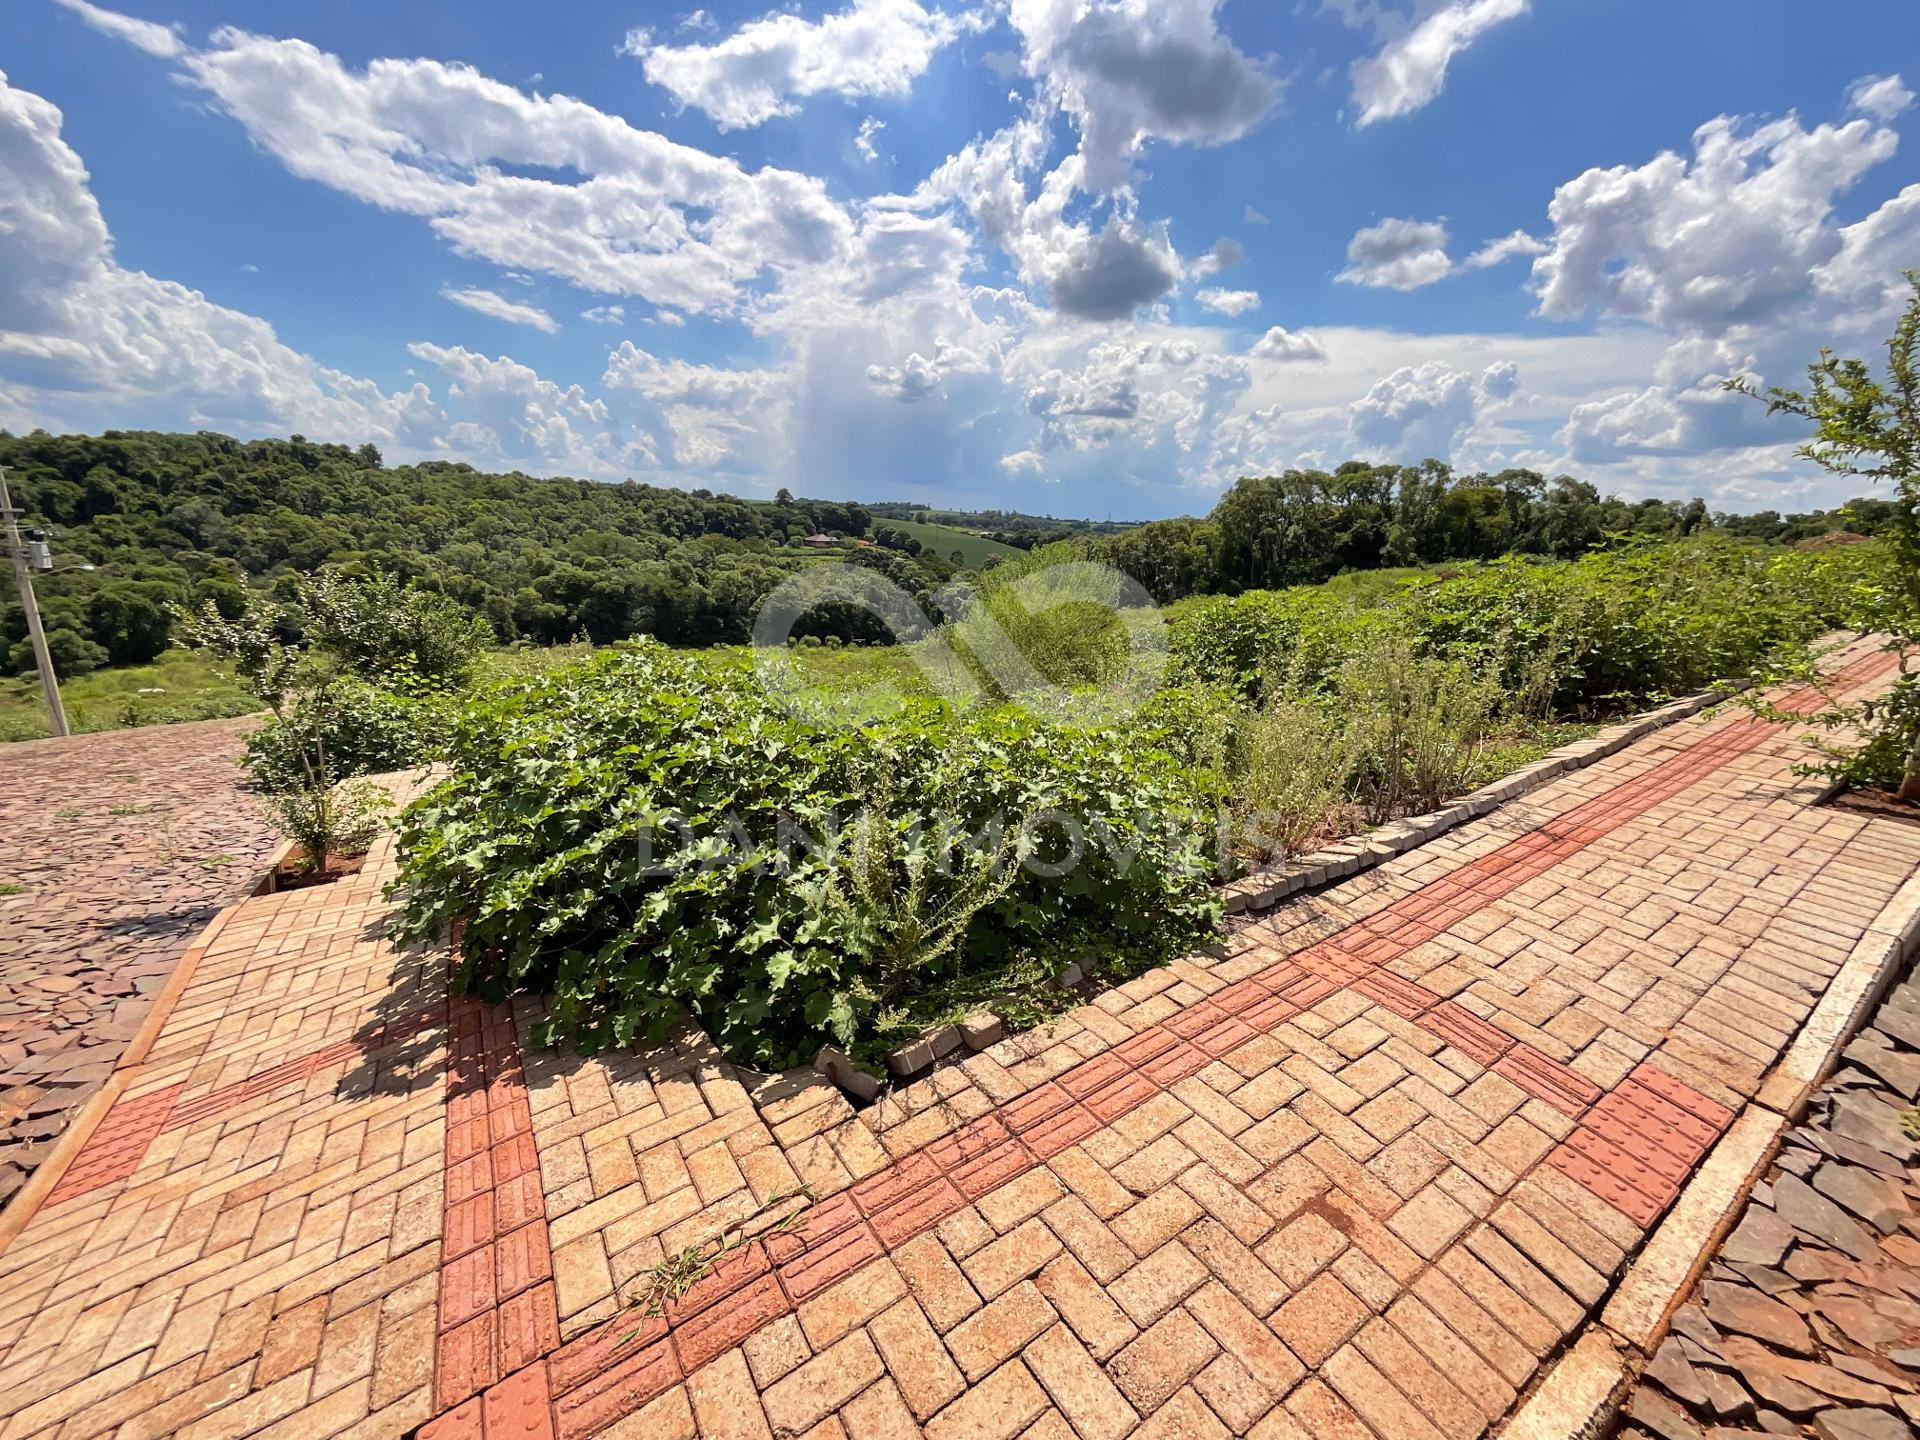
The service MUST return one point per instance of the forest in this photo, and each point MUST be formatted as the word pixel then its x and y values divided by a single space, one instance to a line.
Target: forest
pixel 181 519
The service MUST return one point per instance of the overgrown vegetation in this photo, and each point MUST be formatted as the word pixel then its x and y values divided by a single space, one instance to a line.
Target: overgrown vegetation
pixel 370 690
pixel 648 833
pixel 1866 425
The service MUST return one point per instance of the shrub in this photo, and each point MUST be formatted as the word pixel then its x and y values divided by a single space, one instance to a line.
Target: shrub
pixel 1052 625
pixel 390 632
pixel 340 821
pixel 647 834
pixel 1421 723
pixel 1294 762
pixel 353 728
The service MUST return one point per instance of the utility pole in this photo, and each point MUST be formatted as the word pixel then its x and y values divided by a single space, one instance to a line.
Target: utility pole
pixel 23 577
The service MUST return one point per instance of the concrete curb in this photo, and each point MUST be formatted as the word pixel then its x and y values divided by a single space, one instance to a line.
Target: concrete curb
pixel 1579 1397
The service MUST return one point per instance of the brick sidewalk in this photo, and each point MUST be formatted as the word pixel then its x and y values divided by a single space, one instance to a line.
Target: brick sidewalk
pixel 1358 1174
pixel 125 844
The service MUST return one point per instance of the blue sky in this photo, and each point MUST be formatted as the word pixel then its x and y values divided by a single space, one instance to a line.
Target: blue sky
pixel 1078 256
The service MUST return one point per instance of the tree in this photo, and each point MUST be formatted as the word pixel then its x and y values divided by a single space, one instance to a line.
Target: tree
pixel 1867 426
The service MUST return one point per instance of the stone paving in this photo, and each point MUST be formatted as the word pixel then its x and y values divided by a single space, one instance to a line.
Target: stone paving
pixel 1359 1172
pixel 1809 1315
pixel 125 845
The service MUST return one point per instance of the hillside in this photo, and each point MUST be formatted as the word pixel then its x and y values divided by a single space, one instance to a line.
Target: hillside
pixel 173 519
pixel 973 550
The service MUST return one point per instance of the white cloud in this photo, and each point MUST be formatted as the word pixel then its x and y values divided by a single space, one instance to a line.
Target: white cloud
pixel 1880 96
pixel 85 343
pixel 1225 254
pixel 874 47
pixel 1253 217
pixel 647 216
pixel 1023 462
pixel 604 314
pixel 1738 234
pixel 1134 71
pixel 1111 274
pixel 1423 411
pixel 1229 302
pixel 1736 258
pixel 1282 344
pixel 863 139
pixel 498 307
pixel 918 378
pixel 1494 252
pixel 1398 255
pixel 160 40
pixel 1409 71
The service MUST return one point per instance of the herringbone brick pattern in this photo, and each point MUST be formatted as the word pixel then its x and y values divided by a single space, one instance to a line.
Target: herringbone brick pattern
pixel 1355 1173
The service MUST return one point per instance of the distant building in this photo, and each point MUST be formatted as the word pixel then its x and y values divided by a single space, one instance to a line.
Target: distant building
pixel 819 540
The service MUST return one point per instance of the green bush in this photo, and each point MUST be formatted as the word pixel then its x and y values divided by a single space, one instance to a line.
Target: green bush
pixel 1421 723
pixel 350 728
pixel 1644 621
pixel 341 822
pixel 387 631
pixel 646 834
pixel 1294 763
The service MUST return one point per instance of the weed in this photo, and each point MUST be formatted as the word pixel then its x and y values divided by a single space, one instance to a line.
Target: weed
pixel 678 1273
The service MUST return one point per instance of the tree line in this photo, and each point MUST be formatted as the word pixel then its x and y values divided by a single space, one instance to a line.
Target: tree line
pixel 179 520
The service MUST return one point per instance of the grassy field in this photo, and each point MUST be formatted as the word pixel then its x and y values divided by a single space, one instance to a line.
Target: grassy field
pixel 943 540
pixel 183 686
pixel 178 686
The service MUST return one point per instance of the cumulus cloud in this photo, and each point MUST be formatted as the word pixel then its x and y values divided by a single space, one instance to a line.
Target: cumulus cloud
pixel 86 343
pixel 917 378
pixel 1736 255
pixel 1738 234
pixel 1023 462
pixel 863 138
pixel 1283 344
pixel 1398 255
pixel 872 48
pixel 1229 302
pixel 1410 69
pixel 1112 273
pixel 646 216
pixel 1421 411
pixel 498 307
pixel 1880 96
pixel 604 314
pixel 1225 254
pixel 1134 71
pixel 160 40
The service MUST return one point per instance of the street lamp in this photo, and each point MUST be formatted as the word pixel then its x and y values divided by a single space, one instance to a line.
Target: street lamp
pixel 29 553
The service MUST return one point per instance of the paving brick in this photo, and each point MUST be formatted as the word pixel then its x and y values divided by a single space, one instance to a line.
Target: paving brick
pixel 919 1364
pixel 1156 1284
pixel 999 1330
pixel 822 1385
pixel 1161 1360
pixel 998 1407
pixel 1003 1263
pixel 1078 1386
pixel 724 1400
pixel 1319 1319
